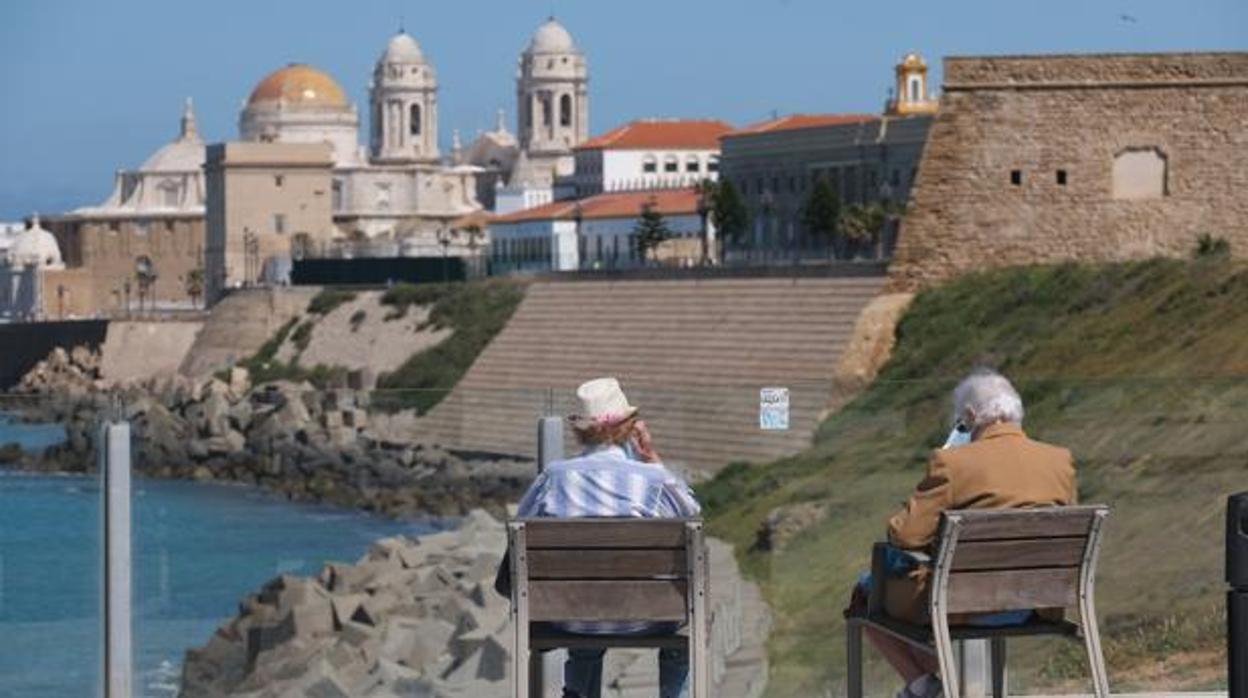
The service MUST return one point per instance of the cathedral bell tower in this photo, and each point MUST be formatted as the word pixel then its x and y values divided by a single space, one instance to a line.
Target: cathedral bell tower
pixel 404 102
pixel 911 96
pixel 552 96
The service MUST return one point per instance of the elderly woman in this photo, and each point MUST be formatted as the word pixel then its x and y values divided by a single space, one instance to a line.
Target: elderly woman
pixel 988 463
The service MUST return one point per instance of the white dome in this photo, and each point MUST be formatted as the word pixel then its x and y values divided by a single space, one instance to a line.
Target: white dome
pixel 185 154
pixel 403 49
pixel 35 247
pixel 551 37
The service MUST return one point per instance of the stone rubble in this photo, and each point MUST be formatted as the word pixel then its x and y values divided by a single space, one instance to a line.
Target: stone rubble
pixel 420 617
pixel 308 444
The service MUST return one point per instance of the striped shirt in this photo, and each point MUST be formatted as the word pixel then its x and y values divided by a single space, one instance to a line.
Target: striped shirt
pixel 605 482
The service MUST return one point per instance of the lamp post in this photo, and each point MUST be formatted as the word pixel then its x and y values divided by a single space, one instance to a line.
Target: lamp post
pixel 768 202
pixel 704 211
pixel 444 236
pixel 578 216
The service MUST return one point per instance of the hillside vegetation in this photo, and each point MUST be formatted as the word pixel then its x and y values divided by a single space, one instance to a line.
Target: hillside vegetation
pixel 1141 369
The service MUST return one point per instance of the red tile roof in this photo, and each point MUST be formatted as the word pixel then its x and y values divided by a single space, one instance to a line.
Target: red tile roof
pixel 674 134
pixel 616 204
pixel 796 121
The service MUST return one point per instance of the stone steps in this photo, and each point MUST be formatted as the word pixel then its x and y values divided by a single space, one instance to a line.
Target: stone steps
pixel 692 355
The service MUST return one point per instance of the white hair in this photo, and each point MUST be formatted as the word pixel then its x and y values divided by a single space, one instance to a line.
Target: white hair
pixel 989 397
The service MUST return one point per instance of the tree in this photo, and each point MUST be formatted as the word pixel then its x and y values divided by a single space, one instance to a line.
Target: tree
pixel 732 218
pixel 862 224
pixel 194 285
pixel 821 217
pixel 651 230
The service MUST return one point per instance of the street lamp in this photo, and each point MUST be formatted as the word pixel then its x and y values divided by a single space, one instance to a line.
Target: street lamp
pixel 768 202
pixel 704 211
pixel 444 236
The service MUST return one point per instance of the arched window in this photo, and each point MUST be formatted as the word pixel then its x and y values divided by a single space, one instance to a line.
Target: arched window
pixel 414 119
pixel 546 110
pixel 693 164
pixel 1140 173
pixel 565 110
pixel 649 164
pixel 914 88
pixel 671 164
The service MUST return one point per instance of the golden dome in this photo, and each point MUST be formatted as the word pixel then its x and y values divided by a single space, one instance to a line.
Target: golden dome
pixel 298 85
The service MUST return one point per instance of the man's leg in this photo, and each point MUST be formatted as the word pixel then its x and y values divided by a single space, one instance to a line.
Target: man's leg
pixel 909 661
pixel 582 674
pixel 673 672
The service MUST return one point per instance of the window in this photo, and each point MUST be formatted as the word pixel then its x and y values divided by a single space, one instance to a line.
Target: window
pixel 895 178
pixel 565 110
pixel 792 184
pixel 546 110
pixel 279 222
pixel 336 195
pixel 598 247
pixel 168 226
pixel 692 164
pixel 1016 178
pixel 169 194
pixel 915 85
pixel 279 180
pixel 1061 177
pixel 649 164
pixel 671 164
pixel 414 119
pixel 1140 173
pixel 712 163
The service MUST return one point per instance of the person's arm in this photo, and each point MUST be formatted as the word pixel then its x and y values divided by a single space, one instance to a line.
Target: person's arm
pixel 528 506
pixel 644 443
pixel 677 500
pixel 915 526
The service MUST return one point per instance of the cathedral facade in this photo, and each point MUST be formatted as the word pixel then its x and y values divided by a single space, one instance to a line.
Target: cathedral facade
pixel 395 191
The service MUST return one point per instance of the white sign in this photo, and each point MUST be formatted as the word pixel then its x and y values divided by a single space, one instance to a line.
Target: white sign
pixel 773 409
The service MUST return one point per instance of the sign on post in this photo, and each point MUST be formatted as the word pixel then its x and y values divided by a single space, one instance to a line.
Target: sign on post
pixel 773 409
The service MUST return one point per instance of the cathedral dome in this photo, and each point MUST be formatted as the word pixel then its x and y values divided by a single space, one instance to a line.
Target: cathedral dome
pixel 298 86
pixel 403 49
pixel 551 37
pixel 36 247
pixel 186 154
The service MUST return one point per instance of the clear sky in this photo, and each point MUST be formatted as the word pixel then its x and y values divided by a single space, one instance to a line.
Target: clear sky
pixel 89 87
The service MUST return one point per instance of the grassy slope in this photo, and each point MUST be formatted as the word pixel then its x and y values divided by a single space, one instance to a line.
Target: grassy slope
pixel 475 311
pixel 1139 368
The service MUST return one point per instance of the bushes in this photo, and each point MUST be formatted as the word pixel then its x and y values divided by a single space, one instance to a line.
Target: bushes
pixel 474 312
pixel 328 299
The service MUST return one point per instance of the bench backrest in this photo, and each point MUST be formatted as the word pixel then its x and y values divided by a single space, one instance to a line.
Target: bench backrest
pixel 607 569
pixel 995 560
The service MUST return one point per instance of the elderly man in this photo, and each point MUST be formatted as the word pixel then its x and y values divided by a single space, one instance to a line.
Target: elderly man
pixel 619 474
pixel 988 463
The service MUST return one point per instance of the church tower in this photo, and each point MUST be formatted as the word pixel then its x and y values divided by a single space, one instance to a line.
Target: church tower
pixel 911 96
pixel 404 101
pixel 552 97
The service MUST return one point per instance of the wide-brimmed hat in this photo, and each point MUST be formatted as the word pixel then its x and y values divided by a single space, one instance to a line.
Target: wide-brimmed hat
pixel 603 403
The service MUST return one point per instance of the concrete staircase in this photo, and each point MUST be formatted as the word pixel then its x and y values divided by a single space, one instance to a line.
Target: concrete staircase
pixel 692 354
pixel 241 323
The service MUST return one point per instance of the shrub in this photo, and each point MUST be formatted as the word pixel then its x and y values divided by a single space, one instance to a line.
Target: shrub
pixel 328 299
pixel 1210 247
pixel 357 319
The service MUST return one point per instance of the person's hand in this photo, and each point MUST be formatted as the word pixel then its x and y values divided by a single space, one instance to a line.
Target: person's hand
pixel 644 443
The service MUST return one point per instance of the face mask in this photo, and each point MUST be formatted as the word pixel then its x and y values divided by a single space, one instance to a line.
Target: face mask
pixel 960 436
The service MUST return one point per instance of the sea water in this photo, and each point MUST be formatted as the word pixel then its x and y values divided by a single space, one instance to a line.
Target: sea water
pixel 199 549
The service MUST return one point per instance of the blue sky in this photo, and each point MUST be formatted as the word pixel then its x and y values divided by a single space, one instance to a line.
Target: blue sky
pixel 89 87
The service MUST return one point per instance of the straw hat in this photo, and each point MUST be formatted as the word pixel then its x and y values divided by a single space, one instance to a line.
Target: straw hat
pixel 602 404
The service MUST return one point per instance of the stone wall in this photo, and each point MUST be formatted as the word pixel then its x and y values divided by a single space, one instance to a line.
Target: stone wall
pixel 1090 158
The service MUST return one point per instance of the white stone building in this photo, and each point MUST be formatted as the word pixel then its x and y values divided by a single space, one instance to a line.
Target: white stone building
pixel 598 232
pixel 647 154
pixel 25 256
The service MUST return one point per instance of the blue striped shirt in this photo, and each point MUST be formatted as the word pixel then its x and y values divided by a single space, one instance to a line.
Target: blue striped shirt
pixel 605 482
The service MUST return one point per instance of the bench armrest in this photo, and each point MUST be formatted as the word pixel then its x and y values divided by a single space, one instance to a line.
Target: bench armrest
pixel 879 576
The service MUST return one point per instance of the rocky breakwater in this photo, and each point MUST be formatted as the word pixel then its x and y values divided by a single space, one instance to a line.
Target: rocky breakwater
pixel 419 617
pixel 309 444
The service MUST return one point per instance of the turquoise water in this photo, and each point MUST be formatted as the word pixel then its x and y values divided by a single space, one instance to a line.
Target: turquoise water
pixel 34 438
pixel 199 549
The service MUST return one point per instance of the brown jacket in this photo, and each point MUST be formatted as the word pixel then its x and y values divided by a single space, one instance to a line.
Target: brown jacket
pixel 1002 469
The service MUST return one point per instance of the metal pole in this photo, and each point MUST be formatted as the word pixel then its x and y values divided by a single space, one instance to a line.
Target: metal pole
pixel 1237 596
pixel 975 667
pixel 546 676
pixel 114 455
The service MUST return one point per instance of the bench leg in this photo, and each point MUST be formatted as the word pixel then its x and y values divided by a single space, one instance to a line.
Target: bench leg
pixel 1092 642
pixel 853 652
pixel 998 667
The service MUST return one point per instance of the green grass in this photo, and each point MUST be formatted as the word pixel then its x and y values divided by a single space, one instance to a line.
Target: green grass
pixel 474 312
pixel 328 299
pixel 1141 369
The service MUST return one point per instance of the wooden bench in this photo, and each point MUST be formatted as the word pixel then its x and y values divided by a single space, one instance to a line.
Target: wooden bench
pixel 607 570
pixel 990 562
